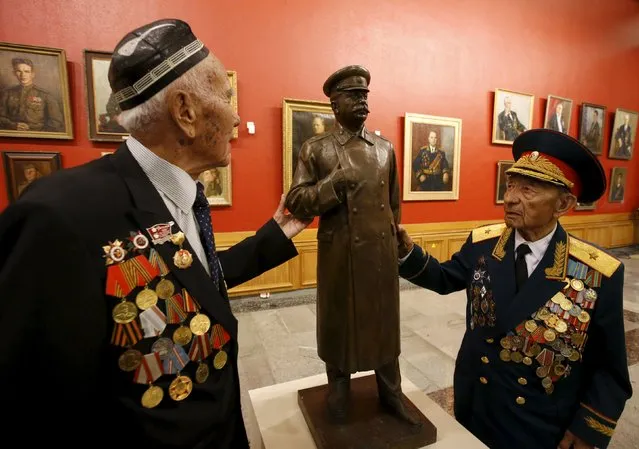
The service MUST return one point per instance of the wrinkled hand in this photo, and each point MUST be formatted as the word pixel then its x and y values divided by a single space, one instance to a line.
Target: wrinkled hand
pixel 572 441
pixel 290 225
pixel 404 242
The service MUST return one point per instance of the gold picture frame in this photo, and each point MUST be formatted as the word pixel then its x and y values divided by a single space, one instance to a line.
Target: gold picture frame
pixel 592 127
pixel 431 175
pixel 232 75
pixel 550 120
pixel 586 206
pixel 506 127
pixel 500 186
pixel 618 179
pixel 622 142
pixel 218 185
pixel 47 112
pixel 302 119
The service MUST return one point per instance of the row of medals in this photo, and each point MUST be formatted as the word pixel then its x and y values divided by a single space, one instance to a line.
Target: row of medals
pixel 557 333
pixel 181 387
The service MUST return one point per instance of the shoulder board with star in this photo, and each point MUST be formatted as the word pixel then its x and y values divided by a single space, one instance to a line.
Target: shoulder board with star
pixel 595 258
pixel 488 232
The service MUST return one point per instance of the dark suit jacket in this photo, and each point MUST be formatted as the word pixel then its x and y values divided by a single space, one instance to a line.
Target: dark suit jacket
pixel 552 124
pixel 499 396
pixel 58 366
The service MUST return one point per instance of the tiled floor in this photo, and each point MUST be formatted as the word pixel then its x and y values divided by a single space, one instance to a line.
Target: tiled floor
pixel 278 345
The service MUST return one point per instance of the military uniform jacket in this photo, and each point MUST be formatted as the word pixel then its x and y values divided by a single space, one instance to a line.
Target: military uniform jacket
pixel 549 358
pixel 69 257
pixel 357 274
pixel 31 105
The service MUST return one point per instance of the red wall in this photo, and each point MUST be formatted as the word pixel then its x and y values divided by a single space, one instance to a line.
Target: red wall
pixel 425 56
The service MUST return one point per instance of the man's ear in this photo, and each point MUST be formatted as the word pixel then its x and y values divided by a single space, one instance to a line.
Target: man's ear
pixel 334 107
pixel 182 109
pixel 565 203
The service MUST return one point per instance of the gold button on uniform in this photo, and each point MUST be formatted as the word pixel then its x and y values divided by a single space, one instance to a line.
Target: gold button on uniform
pixel 483 380
pixel 490 340
pixel 484 359
pixel 354 210
pixel 520 400
pixel 522 381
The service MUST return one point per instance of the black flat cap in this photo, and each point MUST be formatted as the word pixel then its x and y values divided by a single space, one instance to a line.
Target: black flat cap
pixel 149 58
pixel 352 77
pixel 557 158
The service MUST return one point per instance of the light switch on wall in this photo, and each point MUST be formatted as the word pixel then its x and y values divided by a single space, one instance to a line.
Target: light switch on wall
pixel 251 127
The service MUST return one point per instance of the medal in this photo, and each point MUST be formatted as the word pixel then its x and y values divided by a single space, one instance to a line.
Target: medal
pixel 550 335
pixel 180 388
pixel 182 335
pixel 140 241
pixel 531 325
pixel 175 312
pixel 561 326
pixel 182 259
pixel 504 355
pixel 153 322
pixel 175 361
pixel 535 350
pixel 517 357
pixel 149 370
pixel 506 343
pixel 558 298
pixel 200 348
pixel 165 289
pixel 152 397
pixel 546 382
pixel 130 360
pixel 124 312
pixel 584 317
pixel 559 370
pixel 200 324
pixel 550 389
pixel 189 302
pixel 202 373
pixel 543 314
pixel 146 298
pixel 160 233
pixel 542 371
pixel 577 284
pixel 162 346
pixel 527 361
pixel 220 359
pixel 574 356
pixel 566 304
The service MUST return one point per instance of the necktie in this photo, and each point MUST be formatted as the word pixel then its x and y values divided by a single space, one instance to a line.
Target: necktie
pixel 521 270
pixel 203 218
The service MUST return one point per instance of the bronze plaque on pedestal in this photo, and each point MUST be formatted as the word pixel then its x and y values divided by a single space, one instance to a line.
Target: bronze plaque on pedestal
pixel 367 425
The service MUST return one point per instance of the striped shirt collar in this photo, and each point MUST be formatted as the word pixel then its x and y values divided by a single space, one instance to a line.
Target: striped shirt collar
pixel 167 178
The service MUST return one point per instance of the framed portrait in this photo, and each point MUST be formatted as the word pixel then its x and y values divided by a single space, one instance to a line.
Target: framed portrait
pixel 558 114
pixel 22 168
pixel 591 126
pixel 233 82
pixel 302 120
pixel 586 206
pixel 34 92
pixel 624 133
pixel 617 184
pixel 432 151
pixel 217 185
pixel 500 188
pixel 512 115
pixel 102 109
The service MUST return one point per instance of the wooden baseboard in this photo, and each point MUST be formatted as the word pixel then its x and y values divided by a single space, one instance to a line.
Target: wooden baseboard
pixel 442 240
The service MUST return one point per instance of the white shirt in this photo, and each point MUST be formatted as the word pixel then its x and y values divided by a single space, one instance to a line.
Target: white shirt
pixel 178 191
pixel 538 249
pixel 559 123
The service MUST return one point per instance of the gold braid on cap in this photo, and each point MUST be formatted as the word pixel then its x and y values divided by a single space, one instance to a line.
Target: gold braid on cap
pixel 537 166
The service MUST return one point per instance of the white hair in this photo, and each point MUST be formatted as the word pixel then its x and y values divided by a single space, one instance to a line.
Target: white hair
pixel 194 81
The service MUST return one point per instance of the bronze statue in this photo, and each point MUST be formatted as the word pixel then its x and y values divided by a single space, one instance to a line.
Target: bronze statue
pixel 348 178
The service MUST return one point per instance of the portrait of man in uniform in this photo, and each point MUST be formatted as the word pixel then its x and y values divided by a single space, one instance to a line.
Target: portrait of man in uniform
pixel 432 152
pixel 302 120
pixel 512 115
pixel 102 107
pixel 592 127
pixel 617 184
pixel 558 114
pixel 624 133
pixel 217 185
pixel 34 94
pixel 502 166
pixel 22 169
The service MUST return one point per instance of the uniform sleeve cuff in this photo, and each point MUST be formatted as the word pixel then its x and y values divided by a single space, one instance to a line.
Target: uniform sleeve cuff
pixel 414 264
pixel 592 426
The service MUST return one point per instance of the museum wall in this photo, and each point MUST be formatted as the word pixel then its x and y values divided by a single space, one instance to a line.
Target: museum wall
pixel 427 57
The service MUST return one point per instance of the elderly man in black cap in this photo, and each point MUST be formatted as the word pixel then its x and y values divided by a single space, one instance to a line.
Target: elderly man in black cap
pixel 543 361
pixel 348 178
pixel 116 325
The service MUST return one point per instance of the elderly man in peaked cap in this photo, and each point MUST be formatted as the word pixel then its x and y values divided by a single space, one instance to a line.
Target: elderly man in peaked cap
pixel 348 178
pixel 543 361
pixel 116 328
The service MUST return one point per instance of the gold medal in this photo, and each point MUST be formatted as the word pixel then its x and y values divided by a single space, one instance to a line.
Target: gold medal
pixel 550 389
pixel 561 326
pixel 558 298
pixel 506 343
pixel 542 371
pixel 200 324
pixel 566 304
pixel 527 361
pixel 574 356
pixel 152 397
pixel 504 355
pixel 577 284
pixel 590 295
pixel 577 339
pixel 180 388
pixel 516 357
pixel 182 335
pixel 518 342
pixel 146 298
pixel 543 314
pixel 531 325
pixel 202 373
pixel 182 259
pixel 546 382
pixel 130 360
pixel 550 335
pixel 178 238
pixel 220 359
pixel 536 349
pixel 559 370
pixel 584 317
pixel 165 289
pixel 125 312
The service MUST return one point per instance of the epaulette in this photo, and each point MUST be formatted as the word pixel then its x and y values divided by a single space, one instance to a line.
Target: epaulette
pixel 488 232
pixel 594 257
